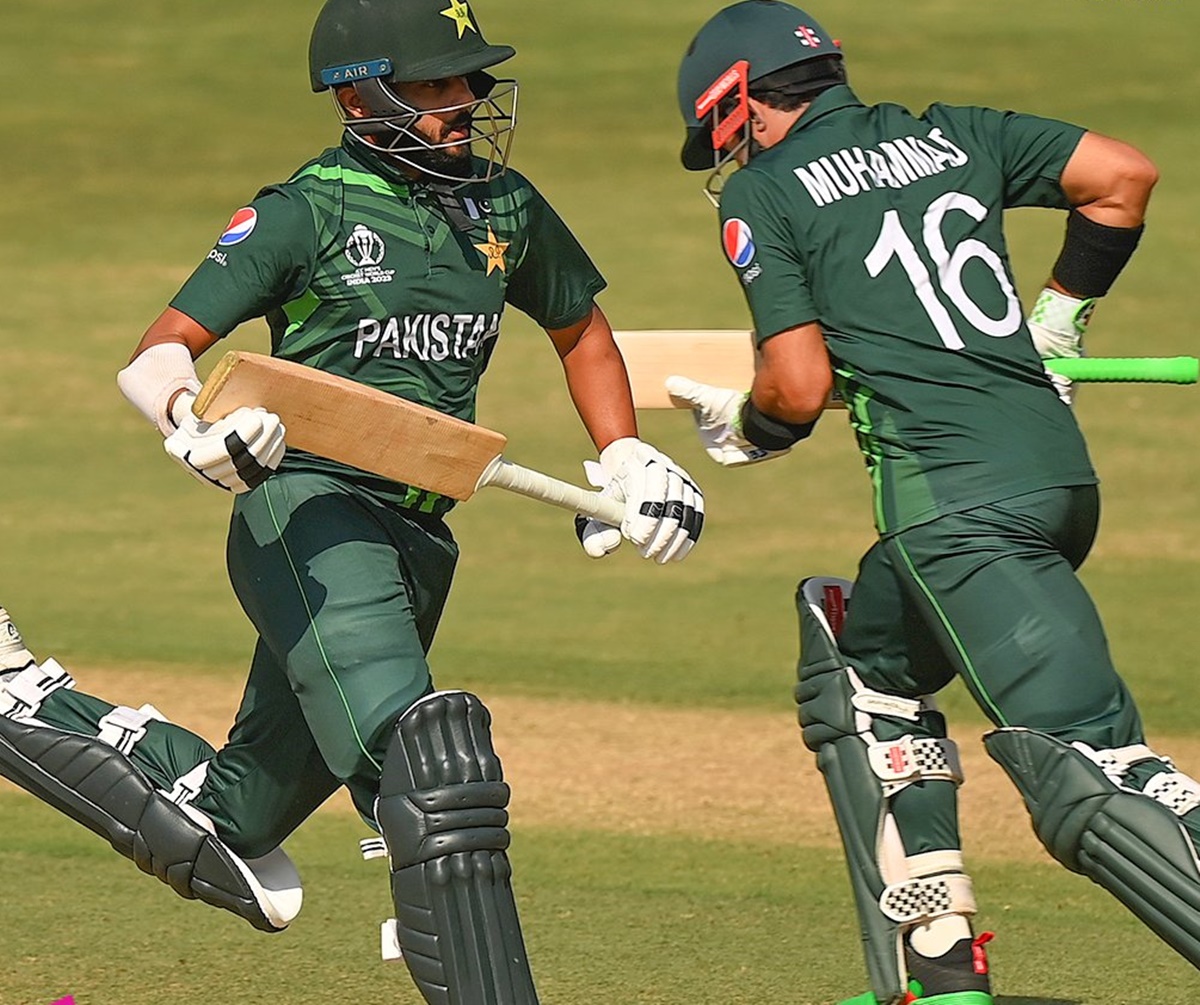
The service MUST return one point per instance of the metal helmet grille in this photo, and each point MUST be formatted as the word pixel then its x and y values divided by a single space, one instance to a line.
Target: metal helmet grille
pixel 389 130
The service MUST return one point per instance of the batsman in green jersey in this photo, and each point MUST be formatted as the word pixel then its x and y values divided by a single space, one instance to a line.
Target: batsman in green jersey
pixel 388 260
pixel 868 242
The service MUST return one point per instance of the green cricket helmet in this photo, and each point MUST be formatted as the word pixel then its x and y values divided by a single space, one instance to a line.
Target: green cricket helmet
pixel 755 45
pixel 371 45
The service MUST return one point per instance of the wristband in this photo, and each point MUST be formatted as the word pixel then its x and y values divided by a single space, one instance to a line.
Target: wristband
pixel 768 433
pixel 153 376
pixel 1093 255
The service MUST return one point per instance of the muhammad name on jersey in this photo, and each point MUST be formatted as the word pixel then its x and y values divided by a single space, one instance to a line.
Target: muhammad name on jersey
pixel 426 336
pixel 898 162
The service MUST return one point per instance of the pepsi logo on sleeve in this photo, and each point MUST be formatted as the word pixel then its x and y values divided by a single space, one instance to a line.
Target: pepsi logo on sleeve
pixel 739 242
pixel 241 226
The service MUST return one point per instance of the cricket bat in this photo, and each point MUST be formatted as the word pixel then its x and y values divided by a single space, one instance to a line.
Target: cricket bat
pixel 369 429
pixel 726 359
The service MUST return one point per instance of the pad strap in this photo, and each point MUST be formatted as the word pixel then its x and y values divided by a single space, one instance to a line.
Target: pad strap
pixel 124 727
pixel 899 763
pixel 22 697
pixel 187 786
pixel 917 901
pixel 1175 790
pixel 1178 792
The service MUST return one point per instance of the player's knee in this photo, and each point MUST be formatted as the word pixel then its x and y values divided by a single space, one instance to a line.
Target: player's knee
pixel 442 790
pixel 1072 789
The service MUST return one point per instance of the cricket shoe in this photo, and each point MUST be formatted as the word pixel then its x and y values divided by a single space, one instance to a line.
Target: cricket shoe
pixel 960 976
pixel 14 657
pixel 916 998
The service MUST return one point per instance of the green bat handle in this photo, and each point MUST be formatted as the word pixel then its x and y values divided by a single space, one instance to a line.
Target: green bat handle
pixel 1157 370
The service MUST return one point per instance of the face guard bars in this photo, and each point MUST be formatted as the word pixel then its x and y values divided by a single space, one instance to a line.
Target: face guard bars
pixel 389 130
pixel 727 101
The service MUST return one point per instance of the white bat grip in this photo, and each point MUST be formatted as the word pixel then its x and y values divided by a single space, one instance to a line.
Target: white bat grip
pixel 504 474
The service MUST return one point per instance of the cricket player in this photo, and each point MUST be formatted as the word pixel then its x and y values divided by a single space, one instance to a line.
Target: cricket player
pixel 868 243
pixel 389 260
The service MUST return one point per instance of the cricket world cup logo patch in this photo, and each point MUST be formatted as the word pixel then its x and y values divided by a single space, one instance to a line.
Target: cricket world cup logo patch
pixel 241 226
pixel 365 250
pixel 739 242
pixel 365 247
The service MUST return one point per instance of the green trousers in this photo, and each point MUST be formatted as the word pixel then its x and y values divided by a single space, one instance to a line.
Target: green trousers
pixel 990 595
pixel 345 593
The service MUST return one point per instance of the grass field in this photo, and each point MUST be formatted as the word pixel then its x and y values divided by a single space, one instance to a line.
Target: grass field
pixel 685 871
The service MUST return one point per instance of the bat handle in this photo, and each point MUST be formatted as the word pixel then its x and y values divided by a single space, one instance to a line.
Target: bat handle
pixel 1153 369
pixel 504 474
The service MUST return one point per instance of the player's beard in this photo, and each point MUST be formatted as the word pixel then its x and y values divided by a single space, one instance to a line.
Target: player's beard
pixel 455 160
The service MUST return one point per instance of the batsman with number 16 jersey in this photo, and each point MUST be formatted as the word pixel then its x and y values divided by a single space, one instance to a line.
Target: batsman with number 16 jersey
pixel 388 260
pixel 869 244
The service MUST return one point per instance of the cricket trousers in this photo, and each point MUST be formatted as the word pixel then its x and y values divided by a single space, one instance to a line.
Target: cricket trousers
pixel 990 595
pixel 345 592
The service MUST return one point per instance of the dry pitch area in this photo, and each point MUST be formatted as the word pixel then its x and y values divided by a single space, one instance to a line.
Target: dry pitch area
pixel 636 769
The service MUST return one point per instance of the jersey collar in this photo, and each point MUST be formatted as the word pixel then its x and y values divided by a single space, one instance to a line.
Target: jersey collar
pixel 377 164
pixel 831 100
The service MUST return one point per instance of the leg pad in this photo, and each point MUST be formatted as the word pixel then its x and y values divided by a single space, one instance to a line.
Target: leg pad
pixel 442 811
pixel 99 787
pixel 1126 841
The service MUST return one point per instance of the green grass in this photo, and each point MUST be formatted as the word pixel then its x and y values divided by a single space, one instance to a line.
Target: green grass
pixel 607 918
pixel 131 134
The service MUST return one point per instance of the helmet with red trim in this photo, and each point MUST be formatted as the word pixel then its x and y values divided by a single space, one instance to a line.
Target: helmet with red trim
pixel 757 47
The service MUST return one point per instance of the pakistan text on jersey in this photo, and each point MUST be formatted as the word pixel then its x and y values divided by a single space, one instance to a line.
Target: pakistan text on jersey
pixel 897 162
pixel 426 336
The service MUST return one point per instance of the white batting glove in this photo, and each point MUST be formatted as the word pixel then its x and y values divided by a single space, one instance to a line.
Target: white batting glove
pixel 236 453
pixel 718 415
pixel 1057 323
pixel 664 508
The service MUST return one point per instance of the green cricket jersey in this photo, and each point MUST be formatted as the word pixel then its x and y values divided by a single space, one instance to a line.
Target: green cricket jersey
pixel 363 274
pixel 886 229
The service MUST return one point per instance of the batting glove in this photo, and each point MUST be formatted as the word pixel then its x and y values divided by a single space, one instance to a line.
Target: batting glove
pixel 1057 323
pixel 664 508
pixel 237 453
pixel 718 415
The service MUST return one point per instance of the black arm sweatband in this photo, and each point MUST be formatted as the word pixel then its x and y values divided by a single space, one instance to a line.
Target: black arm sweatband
pixel 771 434
pixel 1093 255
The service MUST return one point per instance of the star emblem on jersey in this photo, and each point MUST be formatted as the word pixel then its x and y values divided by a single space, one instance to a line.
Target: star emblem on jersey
pixel 460 13
pixel 493 251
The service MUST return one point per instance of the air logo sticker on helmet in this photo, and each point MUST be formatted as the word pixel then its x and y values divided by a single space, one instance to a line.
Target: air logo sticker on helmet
pixel 460 13
pixel 333 76
pixel 241 225
pixel 739 242
pixel 808 37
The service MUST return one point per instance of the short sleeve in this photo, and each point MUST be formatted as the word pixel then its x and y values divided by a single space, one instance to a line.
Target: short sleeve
pixel 555 282
pixel 262 260
pixel 1031 152
pixel 759 242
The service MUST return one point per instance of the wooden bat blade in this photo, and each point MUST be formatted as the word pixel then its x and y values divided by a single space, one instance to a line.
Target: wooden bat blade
pixel 723 358
pixel 357 425
pixel 726 359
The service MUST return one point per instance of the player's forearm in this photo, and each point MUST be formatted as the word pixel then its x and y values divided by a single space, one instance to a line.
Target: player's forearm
pixel 793 378
pixel 598 383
